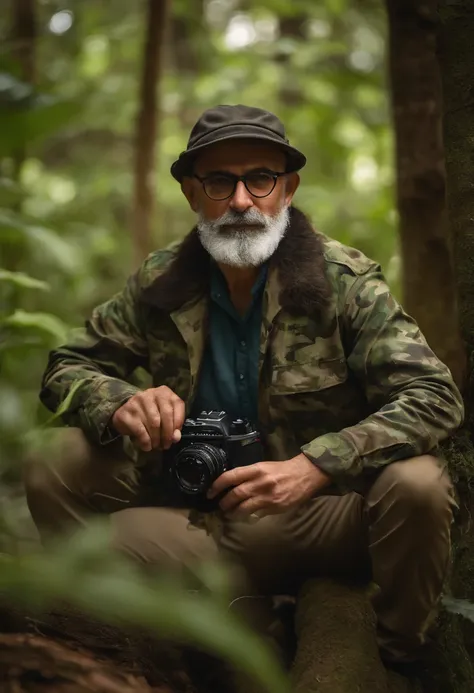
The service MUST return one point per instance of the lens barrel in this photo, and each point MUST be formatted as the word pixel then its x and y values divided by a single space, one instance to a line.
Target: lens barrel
pixel 197 465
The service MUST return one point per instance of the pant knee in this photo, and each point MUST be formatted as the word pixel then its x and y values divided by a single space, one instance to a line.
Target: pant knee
pixel 61 452
pixel 420 483
pixel 37 479
pixel 160 536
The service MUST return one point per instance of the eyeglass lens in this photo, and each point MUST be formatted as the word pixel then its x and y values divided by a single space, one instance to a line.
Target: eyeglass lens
pixel 220 187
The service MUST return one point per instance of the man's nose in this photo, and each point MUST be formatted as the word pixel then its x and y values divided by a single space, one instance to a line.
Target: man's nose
pixel 241 199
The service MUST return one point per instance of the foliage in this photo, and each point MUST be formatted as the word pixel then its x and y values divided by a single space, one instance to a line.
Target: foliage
pixel 86 575
pixel 463 607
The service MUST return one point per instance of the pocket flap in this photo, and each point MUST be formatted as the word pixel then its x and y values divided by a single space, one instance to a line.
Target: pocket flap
pixel 310 376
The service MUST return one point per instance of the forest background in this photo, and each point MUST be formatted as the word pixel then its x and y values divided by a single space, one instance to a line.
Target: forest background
pixel 97 99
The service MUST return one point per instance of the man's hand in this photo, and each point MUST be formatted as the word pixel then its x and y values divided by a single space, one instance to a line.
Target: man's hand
pixel 153 418
pixel 269 488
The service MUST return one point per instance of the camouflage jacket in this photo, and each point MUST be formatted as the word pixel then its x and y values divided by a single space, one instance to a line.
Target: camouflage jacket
pixel 344 373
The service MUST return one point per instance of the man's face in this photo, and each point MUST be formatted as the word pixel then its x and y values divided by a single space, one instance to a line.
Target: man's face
pixel 243 230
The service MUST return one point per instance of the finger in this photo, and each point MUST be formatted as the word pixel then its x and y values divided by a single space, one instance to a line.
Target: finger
pixel 252 506
pixel 179 414
pixel 167 428
pixel 234 477
pixel 235 497
pixel 139 434
pixel 152 421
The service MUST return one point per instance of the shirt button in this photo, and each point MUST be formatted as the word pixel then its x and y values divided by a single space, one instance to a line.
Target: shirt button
pixel 241 376
pixel 243 343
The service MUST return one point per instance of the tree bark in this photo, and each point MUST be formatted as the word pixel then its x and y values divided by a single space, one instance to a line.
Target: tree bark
pixel 30 664
pixel 147 129
pixel 457 65
pixel 456 60
pixel 23 36
pixel 429 285
pixel 23 52
pixel 192 55
pixel 291 28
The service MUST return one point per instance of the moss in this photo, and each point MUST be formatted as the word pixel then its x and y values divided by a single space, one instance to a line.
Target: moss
pixel 451 667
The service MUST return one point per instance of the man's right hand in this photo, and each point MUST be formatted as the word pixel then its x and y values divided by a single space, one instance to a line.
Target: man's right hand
pixel 152 418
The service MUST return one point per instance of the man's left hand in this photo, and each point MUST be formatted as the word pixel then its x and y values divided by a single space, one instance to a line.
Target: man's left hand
pixel 268 488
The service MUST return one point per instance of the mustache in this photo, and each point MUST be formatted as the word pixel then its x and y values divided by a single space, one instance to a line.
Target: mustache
pixel 251 217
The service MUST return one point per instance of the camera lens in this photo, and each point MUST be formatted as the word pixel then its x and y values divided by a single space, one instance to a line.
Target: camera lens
pixel 197 465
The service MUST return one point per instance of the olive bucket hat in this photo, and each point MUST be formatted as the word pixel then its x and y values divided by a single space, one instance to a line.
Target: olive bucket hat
pixel 224 123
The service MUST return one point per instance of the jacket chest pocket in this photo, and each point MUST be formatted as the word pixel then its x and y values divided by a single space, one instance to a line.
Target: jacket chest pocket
pixel 308 400
pixel 314 376
pixel 312 398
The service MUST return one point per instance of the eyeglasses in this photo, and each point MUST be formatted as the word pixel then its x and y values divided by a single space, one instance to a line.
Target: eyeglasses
pixel 221 186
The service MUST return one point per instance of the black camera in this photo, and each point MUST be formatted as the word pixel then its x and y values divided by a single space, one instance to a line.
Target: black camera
pixel 210 444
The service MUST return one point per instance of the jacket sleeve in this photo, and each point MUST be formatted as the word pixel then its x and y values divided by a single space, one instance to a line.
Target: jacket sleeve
pixel 96 362
pixel 412 395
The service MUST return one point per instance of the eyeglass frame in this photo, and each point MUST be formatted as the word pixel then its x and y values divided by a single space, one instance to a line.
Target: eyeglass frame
pixel 237 179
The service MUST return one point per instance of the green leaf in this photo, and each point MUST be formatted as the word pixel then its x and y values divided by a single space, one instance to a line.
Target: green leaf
pixel 44 241
pixel 13 91
pixel 85 574
pixel 45 323
pixel 463 607
pixel 10 191
pixel 65 404
pixel 27 116
pixel 23 280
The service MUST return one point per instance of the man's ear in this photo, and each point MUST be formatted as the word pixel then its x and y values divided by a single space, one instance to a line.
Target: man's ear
pixel 292 184
pixel 189 191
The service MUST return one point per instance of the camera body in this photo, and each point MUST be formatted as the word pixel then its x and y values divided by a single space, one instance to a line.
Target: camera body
pixel 211 444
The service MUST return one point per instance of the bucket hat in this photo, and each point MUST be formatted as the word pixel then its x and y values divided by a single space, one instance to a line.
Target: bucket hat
pixel 223 123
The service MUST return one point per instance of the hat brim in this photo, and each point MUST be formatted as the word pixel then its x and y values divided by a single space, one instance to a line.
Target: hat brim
pixel 183 165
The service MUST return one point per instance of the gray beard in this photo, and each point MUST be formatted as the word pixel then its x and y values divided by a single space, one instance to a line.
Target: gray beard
pixel 243 248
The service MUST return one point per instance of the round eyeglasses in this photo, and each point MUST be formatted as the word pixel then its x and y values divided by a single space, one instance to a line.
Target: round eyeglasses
pixel 221 186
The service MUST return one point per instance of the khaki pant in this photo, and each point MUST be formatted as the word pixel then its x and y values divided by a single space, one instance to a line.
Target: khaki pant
pixel 397 534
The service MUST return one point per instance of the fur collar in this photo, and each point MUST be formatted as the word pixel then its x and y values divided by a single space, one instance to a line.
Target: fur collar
pixel 299 261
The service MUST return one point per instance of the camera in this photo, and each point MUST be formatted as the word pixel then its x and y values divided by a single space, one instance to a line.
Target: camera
pixel 211 444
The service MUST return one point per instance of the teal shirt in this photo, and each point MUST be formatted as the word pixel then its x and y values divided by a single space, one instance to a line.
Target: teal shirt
pixel 228 379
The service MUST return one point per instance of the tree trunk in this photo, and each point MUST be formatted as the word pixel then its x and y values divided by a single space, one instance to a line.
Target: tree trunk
pixel 429 286
pixel 456 61
pixel 23 38
pixel 191 54
pixel 146 129
pixel 292 29
pixel 457 65
pixel 23 52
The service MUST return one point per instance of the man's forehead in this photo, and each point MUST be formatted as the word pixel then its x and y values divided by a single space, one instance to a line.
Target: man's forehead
pixel 241 155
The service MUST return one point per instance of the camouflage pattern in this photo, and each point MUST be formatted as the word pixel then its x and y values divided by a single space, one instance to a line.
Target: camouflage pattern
pixel 354 390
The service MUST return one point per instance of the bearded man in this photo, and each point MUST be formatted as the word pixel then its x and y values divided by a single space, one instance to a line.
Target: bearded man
pixel 258 315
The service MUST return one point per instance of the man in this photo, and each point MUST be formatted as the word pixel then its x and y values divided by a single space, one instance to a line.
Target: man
pixel 256 314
